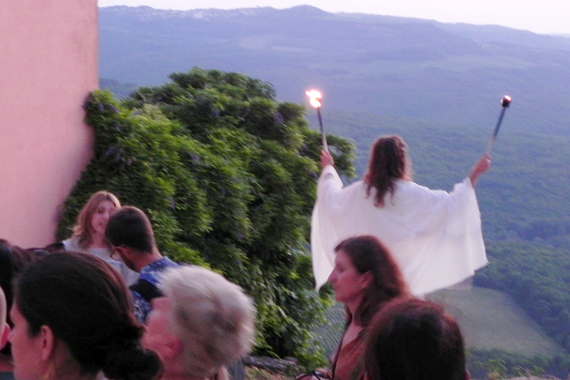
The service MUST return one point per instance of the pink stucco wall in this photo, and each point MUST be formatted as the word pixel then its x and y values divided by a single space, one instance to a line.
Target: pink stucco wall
pixel 48 65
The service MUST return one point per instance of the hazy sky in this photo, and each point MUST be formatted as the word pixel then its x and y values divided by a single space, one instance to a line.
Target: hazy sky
pixel 540 16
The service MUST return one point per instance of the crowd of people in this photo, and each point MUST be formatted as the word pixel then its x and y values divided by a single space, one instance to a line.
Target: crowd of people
pixel 106 304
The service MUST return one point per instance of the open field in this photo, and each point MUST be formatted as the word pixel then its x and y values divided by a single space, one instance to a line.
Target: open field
pixel 489 320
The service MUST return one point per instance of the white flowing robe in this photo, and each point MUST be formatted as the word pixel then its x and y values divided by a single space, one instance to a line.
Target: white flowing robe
pixel 434 236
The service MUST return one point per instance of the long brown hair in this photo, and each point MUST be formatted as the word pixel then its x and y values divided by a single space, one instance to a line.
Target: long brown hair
pixel 368 254
pixel 82 229
pixel 389 161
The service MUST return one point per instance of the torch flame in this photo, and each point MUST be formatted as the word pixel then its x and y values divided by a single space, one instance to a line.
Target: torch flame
pixel 315 97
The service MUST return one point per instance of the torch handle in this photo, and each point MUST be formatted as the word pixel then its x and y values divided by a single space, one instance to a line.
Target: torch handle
pixel 495 132
pixel 323 134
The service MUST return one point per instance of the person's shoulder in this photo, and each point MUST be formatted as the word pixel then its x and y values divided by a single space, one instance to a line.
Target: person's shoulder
pixel 164 263
pixel 154 269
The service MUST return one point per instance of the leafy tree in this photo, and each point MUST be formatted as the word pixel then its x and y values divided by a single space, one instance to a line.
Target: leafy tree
pixel 500 364
pixel 227 175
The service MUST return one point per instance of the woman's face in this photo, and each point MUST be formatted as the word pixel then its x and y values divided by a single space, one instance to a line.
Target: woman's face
pixel 348 284
pixel 101 217
pixel 25 349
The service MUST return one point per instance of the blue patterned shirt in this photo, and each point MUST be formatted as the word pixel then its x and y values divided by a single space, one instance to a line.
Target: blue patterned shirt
pixel 153 274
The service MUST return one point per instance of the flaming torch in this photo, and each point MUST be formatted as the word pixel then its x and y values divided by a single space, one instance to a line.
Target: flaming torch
pixel 505 104
pixel 315 98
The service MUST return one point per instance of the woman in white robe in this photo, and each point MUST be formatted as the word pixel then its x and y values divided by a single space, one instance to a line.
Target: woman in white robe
pixel 434 236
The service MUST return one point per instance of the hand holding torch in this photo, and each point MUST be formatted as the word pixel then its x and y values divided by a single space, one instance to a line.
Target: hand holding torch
pixel 505 104
pixel 315 98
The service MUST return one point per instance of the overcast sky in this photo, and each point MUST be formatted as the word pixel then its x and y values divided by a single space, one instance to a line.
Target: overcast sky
pixel 540 16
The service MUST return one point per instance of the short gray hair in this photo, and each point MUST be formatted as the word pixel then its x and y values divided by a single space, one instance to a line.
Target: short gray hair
pixel 212 317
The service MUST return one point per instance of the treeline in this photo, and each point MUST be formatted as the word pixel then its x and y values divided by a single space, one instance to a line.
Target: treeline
pixel 483 364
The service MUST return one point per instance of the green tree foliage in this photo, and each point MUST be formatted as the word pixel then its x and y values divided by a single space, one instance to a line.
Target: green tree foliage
pixel 499 364
pixel 227 175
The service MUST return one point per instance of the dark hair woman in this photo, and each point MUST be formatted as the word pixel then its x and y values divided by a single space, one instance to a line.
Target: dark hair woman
pixel 72 319
pixel 415 340
pixel 365 277
pixel 434 236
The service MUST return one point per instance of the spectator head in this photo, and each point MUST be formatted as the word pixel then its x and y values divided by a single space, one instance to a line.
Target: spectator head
pixel 130 227
pixel 374 266
pixel 411 339
pixel 202 324
pixel 130 233
pixel 72 316
pixel 93 217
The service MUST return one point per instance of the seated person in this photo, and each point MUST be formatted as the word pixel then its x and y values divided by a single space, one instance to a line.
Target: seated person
pixel 411 339
pixel 200 325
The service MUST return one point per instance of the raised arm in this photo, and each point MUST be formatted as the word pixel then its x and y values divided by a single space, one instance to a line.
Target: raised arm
pixel 481 166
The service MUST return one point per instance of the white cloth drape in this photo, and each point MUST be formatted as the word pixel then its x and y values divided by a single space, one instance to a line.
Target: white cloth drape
pixel 434 236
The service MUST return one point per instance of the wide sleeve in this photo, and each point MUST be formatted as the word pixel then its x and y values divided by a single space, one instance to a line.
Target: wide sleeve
pixel 323 235
pixel 449 245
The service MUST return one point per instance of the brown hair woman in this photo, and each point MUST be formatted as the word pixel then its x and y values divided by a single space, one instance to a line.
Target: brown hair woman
pixel 364 278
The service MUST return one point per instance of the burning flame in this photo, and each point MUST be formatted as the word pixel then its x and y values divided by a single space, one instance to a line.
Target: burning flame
pixel 315 97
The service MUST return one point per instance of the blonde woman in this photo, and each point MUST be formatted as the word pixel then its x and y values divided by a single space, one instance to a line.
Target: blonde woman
pixel 89 232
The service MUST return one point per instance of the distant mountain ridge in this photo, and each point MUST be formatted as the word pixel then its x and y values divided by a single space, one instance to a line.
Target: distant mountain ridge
pixel 146 13
pixel 418 69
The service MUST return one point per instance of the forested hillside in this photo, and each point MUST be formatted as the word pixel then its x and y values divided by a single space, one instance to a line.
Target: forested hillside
pixel 437 85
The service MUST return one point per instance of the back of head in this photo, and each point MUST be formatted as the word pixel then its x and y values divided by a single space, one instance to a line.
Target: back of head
pixel 212 317
pixel 86 305
pixel 130 227
pixel 388 161
pixel 411 339
pixel 368 254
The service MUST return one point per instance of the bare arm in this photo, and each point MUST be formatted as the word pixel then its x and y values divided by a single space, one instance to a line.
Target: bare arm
pixel 481 166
